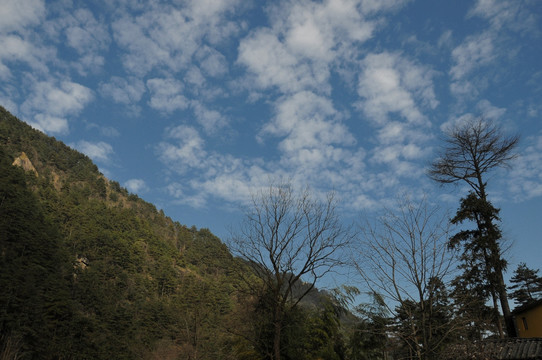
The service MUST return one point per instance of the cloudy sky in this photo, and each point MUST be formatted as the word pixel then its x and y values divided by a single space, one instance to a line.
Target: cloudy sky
pixel 195 104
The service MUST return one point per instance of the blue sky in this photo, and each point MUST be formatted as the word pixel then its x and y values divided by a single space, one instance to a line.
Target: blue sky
pixel 195 104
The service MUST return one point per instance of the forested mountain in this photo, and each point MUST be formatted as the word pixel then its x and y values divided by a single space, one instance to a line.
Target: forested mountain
pixel 90 271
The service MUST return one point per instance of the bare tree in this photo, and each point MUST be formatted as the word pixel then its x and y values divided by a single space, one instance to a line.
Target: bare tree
pixel 404 257
pixel 472 150
pixel 289 238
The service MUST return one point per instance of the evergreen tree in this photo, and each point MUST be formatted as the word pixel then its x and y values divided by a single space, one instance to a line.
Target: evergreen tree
pixel 369 339
pixel 474 149
pixel 527 286
pixel 35 308
pixel 425 327
pixel 470 291
pixel 481 247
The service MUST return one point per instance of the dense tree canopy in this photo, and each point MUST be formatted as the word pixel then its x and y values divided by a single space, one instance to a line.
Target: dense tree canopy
pixel 89 271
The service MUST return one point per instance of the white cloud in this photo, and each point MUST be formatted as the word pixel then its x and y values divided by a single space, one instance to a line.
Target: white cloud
pixel 272 64
pixel 395 93
pixel 97 151
pixel 16 48
pixel 457 121
pixel 196 201
pixel 489 111
pixel 50 104
pixel 66 98
pixel 476 51
pixel 395 152
pixel 525 179
pixel 210 174
pixel 316 29
pixel 307 39
pixel 194 77
pixel 372 6
pixel 88 63
pixel 232 187
pixel 212 61
pixel 107 131
pixel 85 34
pixel 302 43
pixel 138 59
pixel 17 14
pixel 8 104
pixel 136 185
pixel 211 120
pixel 445 40
pixel 126 91
pixel 187 152
pixel 391 84
pixel 167 36
pixel 307 120
pixel 166 95
pixel 50 124
pixel 464 88
pixel 485 110
pixel 504 13
pixel 489 47
pixel 175 189
pixel 295 55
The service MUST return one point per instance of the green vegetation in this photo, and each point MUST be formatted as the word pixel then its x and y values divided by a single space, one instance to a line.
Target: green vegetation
pixel 90 271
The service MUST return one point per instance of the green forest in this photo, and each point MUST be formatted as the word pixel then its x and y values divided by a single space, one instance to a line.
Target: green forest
pixel 91 271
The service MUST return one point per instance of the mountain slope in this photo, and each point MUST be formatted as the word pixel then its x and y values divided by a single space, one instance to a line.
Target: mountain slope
pixel 95 272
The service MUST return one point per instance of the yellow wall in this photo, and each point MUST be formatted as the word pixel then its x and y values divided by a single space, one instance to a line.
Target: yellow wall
pixel 533 318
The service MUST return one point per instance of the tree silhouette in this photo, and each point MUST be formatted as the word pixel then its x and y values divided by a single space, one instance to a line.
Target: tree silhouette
pixel 527 286
pixel 472 150
pixel 289 237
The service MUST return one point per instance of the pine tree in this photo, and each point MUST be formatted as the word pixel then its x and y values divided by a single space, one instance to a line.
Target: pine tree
pixel 480 246
pixel 527 286
pixel 473 150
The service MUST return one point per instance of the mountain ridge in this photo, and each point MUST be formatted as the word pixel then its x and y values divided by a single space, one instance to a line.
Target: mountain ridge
pixel 120 257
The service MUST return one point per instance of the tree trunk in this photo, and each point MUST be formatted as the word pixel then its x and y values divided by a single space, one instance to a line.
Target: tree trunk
pixel 497 314
pixel 496 259
pixel 503 297
pixel 276 340
pixel 278 329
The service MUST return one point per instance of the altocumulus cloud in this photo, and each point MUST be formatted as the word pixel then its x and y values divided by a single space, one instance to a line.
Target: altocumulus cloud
pixel 136 185
pixel 98 151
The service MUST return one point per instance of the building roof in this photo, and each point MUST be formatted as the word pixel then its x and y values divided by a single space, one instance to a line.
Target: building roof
pixel 506 349
pixel 514 349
